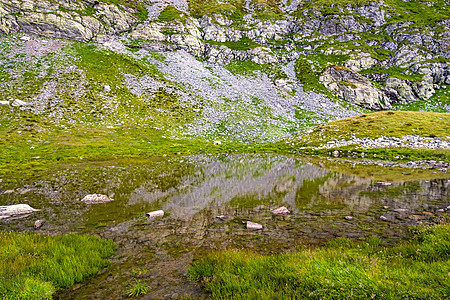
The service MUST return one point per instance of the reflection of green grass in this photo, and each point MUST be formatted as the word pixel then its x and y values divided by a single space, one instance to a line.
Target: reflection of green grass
pixel 342 270
pixel 392 191
pixel 33 266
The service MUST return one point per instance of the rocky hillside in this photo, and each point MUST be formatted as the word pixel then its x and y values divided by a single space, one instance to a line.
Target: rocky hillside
pixel 374 54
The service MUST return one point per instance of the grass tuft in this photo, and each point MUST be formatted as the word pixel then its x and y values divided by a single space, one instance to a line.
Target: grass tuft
pixel 33 266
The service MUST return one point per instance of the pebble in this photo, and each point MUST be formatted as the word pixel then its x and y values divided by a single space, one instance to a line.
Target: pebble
pixel 383 218
pixel 38 224
pixel 349 218
pixel 410 141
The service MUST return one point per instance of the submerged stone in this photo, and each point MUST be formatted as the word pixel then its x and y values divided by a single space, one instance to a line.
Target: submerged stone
pixel 96 198
pixel 38 224
pixel 282 211
pixel 16 210
pixel 254 226
pixel 155 214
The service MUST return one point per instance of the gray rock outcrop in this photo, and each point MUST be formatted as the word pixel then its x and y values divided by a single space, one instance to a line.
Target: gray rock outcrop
pixel 354 88
pixel 409 59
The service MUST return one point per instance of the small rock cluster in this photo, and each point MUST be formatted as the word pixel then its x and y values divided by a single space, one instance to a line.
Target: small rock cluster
pixel 410 141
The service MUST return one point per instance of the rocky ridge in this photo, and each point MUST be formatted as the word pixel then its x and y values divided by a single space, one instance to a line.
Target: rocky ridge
pixel 386 42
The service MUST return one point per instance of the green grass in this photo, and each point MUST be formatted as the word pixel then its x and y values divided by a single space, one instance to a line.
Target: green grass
pixel 417 269
pixel 249 68
pixel 375 125
pixel 33 266
pixel 385 123
pixel 243 44
pixel 169 13
pixel 138 288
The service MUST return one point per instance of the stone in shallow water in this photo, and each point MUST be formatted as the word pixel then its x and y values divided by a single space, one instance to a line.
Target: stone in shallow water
pixel 281 211
pixel 155 214
pixel 15 211
pixel 38 224
pixel 96 198
pixel 18 102
pixel 252 225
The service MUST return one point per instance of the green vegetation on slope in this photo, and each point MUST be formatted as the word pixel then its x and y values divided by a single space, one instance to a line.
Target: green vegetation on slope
pixel 417 269
pixel 33 266
pixel 375 125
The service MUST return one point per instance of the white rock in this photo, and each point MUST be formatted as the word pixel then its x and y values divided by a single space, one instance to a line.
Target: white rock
pixel 252 225
pixel 155 214
pixel 281 211
pixel 15 210
pixel 18 102
pixel 107 88
pixel 4 102
pixel 383 218
pixel 348 218
pixel 96 198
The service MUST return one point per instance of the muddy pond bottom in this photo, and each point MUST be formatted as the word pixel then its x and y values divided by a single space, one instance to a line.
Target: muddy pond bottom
pixel 193 191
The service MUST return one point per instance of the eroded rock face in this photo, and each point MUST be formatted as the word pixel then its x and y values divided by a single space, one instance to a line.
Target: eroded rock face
pixel 64 19
pixel 298 32
pixel 354 88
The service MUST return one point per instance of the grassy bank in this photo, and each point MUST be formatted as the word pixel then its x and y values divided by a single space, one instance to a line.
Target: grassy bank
pixel 375 125
pixel 417 269
pixel 33 266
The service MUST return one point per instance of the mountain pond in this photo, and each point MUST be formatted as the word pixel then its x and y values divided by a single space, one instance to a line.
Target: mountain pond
pixel 193 191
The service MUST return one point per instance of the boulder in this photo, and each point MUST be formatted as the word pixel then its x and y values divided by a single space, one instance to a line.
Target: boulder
pixel 96 198
pixel 17 210
pixel 354 88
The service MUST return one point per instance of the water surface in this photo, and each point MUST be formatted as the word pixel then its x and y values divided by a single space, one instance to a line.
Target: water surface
pixel 193 191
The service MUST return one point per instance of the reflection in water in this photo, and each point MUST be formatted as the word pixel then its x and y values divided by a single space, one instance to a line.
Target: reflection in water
pixel 193 190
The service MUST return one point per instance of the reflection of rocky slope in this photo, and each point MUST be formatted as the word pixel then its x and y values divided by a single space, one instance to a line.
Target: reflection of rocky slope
pixel 402 46
pixel 275 179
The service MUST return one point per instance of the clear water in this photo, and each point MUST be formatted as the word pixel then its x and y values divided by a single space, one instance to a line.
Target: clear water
pixel 193 191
